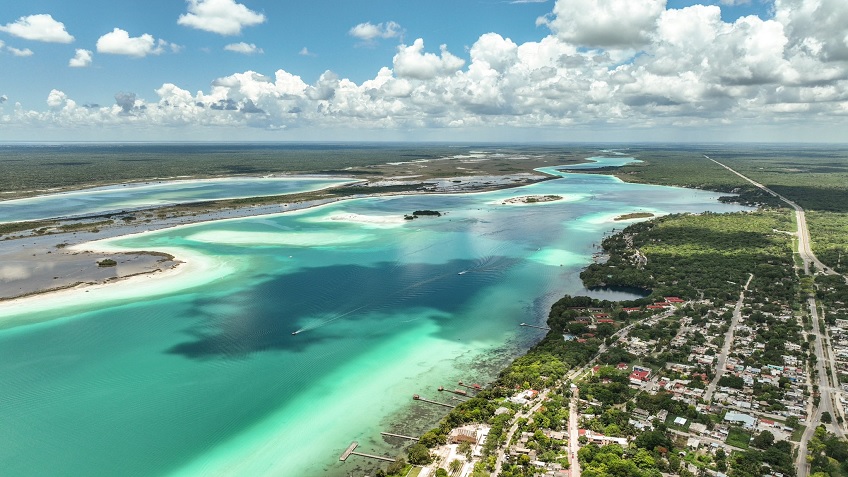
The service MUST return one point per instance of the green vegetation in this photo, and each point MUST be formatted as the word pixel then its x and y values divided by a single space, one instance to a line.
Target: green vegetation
pixel 738 438
pixel 700 256
pixel 829 238
pixel 829 454
pixel 634 215
pixel 106 262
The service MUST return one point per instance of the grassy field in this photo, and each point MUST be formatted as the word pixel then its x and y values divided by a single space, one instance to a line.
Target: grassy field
pixel 738 438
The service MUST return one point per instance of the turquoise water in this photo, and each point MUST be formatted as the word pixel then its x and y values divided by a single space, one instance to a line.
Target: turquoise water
pixel 101 200
pixel 204 377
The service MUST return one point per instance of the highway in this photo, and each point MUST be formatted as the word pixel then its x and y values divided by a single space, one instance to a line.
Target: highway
pixel 827 393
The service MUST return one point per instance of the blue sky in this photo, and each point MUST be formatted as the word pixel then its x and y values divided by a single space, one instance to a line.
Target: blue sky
pixel 44 96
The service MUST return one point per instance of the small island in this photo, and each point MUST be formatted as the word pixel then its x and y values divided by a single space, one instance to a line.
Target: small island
pixel 634 215
pixel 419 213
pixel 532 199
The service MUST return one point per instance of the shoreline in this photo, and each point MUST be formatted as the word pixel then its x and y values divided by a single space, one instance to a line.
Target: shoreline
pixel 128 230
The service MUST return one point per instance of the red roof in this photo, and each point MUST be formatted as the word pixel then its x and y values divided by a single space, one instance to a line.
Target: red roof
pixel 581 340
pixel 640 375
pixel 601 315
pixel 606 320
pixel 767 421
pixel 622 366
pixel 673 299
pixel 655 307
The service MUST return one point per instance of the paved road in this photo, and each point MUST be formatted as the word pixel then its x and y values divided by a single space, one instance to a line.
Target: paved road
pixel 827 393
pixel 721 363
pixel 804 248
pixel 573 434
pixel 502 454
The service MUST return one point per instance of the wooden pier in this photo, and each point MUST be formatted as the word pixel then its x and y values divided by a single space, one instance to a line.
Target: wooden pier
pixel 473 387
pixel 534 326
pixel 351 450
pixel 399 436
pixel 348 451
pixel 419 398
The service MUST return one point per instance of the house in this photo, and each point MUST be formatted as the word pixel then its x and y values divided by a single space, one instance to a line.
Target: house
pixel 638 377
pixel 461 435
pixel 680 421
pixel 693 443
pixel 673 299
pixel 747 421
pixel 698 428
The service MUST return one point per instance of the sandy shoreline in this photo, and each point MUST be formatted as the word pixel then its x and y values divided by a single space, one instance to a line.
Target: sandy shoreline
pixel 157 280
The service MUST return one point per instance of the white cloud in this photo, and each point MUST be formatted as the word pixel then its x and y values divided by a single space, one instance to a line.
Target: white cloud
pixel 225 17
pixel 412 62
pixel 369 32
pixel 20 52
pixel 119 42
pixel 690 70
pixel 3 98
pixel 81 59
pixel 244 48
pixel 607 24
pixel 40 27
pixel 305 52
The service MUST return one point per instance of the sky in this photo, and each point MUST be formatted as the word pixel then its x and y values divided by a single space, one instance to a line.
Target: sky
pixel 400 70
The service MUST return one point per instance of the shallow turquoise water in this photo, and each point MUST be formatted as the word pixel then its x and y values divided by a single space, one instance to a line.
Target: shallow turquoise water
pixel 100 200
pixel 209 380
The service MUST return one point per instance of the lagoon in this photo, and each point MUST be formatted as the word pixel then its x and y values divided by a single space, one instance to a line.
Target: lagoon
pixel 204 377
pixel 130 196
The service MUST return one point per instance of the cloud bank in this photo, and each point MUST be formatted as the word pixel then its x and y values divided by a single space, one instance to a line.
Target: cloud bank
pixel 652 68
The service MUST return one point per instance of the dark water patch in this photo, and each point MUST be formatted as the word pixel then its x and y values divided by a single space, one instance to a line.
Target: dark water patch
pixel 333 297
pixel 617 293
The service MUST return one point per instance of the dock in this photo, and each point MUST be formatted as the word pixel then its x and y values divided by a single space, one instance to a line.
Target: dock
pixel 348 451
pixel 400 436
pixel 473 387
pixel 534 326
pixel 351 450
pixel 419 398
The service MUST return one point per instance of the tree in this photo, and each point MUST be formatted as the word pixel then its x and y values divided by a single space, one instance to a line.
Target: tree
pixel 764 440
pixel 418 454
pixel 455 465
pixel 792 421
pixel 826 418
pixel 440 472
pixel 396 467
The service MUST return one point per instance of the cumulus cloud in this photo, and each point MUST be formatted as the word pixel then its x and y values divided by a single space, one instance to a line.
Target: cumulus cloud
pixel 244 48
pixel 225 17
pixel 369 31
pixel 3 98
pixel 412 62
pixel 687 67
pixel 20 52
pixel 305 52
pixel 119 42
pixel 40 27
pixel 81 59
pixel 607 24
